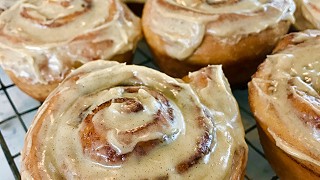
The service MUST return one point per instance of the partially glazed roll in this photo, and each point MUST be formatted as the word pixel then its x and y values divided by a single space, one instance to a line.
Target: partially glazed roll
pixel 114 121
pixel 42 40
pixel 284 98
pixel 307 14
pixel 186 35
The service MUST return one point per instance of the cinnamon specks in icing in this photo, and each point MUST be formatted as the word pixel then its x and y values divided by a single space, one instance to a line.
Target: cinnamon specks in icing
pixel 41 41
pixel 288 86
pixel 117 121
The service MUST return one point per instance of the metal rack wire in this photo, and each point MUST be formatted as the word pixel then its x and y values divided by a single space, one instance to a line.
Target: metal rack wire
pixel 17 111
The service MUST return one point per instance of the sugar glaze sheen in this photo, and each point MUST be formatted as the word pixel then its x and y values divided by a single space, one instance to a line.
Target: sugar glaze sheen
pixel 139 124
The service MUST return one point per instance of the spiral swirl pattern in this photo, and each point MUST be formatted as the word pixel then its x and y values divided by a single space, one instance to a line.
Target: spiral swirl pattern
pixel 121 140
pixel 119 121
pixel 43 40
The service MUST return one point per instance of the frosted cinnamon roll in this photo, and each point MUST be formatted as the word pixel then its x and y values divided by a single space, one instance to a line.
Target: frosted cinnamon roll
pixel 41 41
pixel 114 121
pixel 186 35
pixel 307 14
pixel 284 98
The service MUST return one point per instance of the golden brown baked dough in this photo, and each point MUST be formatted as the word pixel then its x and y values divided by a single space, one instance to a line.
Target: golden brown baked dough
pixel 284 98
pixel 189 34
pixel 117 121
pixel 307 14
pixel 41 41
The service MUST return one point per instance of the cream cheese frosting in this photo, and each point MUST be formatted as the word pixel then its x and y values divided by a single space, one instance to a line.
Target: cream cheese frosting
pixel 182 24
pixel 40 40
pixel 5 4
pixel 188 109
pixel 307 14
pixel 293 73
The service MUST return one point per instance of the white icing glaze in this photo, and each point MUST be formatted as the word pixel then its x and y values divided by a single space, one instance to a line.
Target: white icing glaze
pixel 6 4
pixel 183 28
pixel 58 144
pixel 44 51
pixel 307 14
pixel 295 71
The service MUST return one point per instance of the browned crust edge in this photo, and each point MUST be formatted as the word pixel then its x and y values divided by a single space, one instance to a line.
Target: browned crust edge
pixel 37 91
pixel 239 60
pixel 41 91
pixel 239 163
pixel 285 165
pixel 30 157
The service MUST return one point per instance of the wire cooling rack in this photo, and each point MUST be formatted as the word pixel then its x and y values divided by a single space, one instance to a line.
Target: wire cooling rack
pixel 18 109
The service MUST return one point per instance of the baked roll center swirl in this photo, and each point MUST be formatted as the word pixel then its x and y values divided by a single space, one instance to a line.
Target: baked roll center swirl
pixel 51 13
pixel 133 123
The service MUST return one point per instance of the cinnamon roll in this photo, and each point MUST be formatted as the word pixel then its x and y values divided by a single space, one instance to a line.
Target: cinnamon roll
pixel 284 98
pixel 307 14
pixel 108 120
pixel 186 35
pixel 41 41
